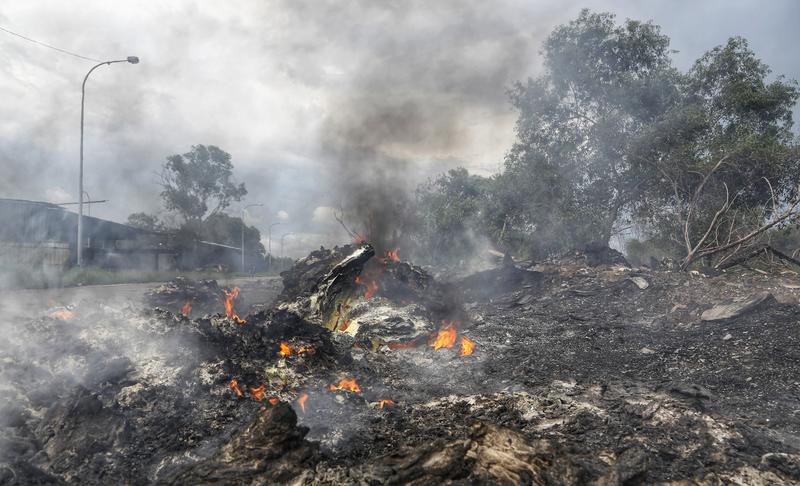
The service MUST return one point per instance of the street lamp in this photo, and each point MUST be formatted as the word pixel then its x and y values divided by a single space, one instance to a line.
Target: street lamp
pixel 132 60
pixel 269 245
pixel 282 237
pixel 243 209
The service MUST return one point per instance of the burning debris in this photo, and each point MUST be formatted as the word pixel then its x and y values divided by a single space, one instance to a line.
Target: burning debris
pixel 568 374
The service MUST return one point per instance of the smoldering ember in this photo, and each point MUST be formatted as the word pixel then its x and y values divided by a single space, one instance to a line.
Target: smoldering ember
pixel 349 296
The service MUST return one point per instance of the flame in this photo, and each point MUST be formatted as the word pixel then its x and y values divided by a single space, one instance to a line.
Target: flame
pixel 258 393
pixel 446 337
pixel 382 403
pixel 371 286
pixel 393 255
pixel 187 308
pixel 301 400
pixel 467 346
pixel 62 314
pixel 349 385
pixel 286 349
pixel 344 325
pixel 230 301
pixel 274 400
pixel 235 387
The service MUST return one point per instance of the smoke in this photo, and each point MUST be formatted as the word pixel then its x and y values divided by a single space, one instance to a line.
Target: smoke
pixel 410 81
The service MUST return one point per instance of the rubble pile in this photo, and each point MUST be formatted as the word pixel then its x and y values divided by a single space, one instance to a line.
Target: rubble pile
pixel 369 371
pixel 184 295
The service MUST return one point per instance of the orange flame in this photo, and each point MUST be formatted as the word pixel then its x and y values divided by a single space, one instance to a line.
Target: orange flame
pixel 274 401
pixel 62 314
pixel 393 255
pixel 286 349
pixel 371 286
pixel 467 346
pixel 258 393
pixel 446 337
pixel 230 301
pixel 302 402
pixel 235 387
pixel 349 385
pixel 187 308
pixel 382 403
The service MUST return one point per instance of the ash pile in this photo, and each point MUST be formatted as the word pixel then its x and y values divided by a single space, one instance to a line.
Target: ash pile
pixel 368 371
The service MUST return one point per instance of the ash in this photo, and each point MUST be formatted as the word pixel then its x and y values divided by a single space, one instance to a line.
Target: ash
pixel 583 371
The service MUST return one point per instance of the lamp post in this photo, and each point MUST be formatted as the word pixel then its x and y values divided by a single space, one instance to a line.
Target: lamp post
pixel 282 237
pixel 243 209
pixel 132 60
pixel 269 245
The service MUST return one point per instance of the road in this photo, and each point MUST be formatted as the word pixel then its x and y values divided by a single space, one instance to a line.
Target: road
pixel 34 301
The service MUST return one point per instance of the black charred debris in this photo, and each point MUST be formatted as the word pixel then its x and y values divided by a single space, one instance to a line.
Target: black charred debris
pixel 584 371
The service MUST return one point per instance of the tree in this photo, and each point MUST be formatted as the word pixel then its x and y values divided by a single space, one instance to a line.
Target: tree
pixel 199 184
pixel 146 221
pixel 451 210
pixel 603 84
pixel 727 157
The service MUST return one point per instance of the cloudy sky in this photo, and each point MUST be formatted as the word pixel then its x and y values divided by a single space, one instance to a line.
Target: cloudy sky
pixel 296 89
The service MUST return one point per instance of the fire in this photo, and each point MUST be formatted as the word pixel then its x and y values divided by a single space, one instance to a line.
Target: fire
pixel 349 385
pixel 230 301
pixel 235 387
pixel 187 308
pixel 382 403
pixel 286 349
pixel 258 393
pixel 446 337
pixel 467 346
pixel 371 286
pixel 393 255
pixel 301 400
pixel 274 400
pixel 62 314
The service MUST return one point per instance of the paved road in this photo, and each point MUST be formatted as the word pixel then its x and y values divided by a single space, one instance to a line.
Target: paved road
pixel 35 301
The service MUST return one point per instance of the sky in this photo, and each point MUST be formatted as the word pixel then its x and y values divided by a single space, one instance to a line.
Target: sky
pixel 306 95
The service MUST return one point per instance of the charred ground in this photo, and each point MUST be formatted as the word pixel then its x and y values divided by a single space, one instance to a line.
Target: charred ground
pixel 583 371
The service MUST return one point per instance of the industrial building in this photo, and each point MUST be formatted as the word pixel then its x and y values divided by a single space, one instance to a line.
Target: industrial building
pixel 43 236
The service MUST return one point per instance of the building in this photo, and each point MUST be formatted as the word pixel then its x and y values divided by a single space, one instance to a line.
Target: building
pixel 43 236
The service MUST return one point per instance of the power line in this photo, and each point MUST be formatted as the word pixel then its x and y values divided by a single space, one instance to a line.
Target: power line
pixel 49 46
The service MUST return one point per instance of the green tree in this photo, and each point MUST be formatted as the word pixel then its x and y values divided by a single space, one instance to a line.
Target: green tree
pixel 726 156
pixel 450 213
pixel 199 183
pixel 603 84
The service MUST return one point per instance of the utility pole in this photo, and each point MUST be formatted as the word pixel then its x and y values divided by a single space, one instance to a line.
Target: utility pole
pixel 243 210
pixel 269 245
pixel 132 60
